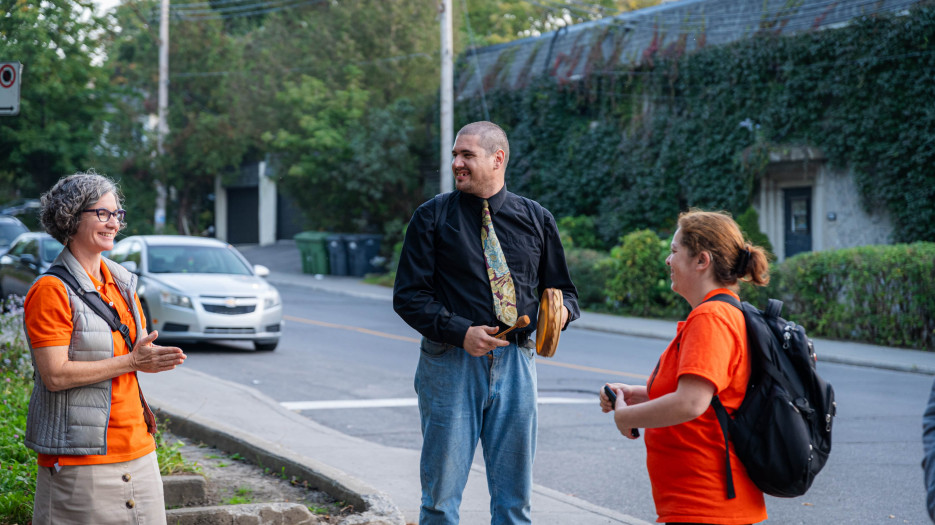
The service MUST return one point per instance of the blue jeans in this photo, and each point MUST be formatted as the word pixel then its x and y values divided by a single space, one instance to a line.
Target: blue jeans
pixel 462 399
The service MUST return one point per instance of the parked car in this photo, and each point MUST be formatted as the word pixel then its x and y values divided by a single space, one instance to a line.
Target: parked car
pixel 26 210
pixel 10 228
pixel 200 289
pixel 30 255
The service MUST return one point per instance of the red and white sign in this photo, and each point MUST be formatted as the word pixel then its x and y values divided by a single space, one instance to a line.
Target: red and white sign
pixel 10 73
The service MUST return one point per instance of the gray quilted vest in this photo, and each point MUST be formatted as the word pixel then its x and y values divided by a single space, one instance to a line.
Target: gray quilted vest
pixel 73 422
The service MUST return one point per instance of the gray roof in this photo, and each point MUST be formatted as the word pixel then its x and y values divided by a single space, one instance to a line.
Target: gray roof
pixel 633 37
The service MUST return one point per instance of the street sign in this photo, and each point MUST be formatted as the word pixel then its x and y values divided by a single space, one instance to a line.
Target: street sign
pixel 10 73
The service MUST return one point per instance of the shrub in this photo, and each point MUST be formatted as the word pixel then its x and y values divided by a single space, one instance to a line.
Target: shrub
pixel 876 294
pixel 579 232
pixel 17 463
pixel 590 270
pixel 639 284
pixel 749 222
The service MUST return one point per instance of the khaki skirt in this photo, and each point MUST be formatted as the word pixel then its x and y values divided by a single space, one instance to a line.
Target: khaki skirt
pixel 128 493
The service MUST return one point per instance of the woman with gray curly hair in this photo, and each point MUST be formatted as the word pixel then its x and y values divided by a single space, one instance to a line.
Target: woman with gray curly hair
pixel 87 418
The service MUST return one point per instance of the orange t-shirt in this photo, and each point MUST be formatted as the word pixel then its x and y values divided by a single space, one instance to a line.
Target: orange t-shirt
pixel 48 320
pixel 686 461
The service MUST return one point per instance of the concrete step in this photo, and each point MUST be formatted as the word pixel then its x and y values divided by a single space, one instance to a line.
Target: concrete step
pixel 185 490
pixel 246 514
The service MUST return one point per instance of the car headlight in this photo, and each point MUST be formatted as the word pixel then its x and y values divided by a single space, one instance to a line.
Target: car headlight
pixel 175 299
pixel 271 300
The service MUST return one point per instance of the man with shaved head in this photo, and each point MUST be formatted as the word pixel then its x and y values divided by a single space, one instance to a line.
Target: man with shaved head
pixel 474 261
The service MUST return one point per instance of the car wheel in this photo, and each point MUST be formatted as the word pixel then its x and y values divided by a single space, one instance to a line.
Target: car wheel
pixel 149 319
pixel 265 346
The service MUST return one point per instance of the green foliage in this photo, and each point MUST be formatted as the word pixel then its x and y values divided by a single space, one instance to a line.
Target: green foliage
pixel 640 278
pixel 877 294
pixel 17 463
pixel 210 129
pixel 749 222
pixel 169 454
pixel 634 146
pixel 499 21
pixel 590 271
pixel 579 232
pixel 62 94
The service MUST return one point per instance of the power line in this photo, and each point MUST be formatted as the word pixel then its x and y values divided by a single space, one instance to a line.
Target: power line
pixel 255 10
pixel 396 58
pixel 212 10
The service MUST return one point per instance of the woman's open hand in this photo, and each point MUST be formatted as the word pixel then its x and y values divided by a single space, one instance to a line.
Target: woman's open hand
pixel 151 358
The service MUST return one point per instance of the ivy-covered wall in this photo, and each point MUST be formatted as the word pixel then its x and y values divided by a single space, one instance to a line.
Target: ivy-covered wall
pixel 632 147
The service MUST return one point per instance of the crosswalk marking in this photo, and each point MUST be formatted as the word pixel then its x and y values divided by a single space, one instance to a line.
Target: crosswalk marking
pixel 409 402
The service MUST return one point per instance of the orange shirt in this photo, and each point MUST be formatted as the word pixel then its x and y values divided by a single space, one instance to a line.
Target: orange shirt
pixel 686 461
pixel 48 319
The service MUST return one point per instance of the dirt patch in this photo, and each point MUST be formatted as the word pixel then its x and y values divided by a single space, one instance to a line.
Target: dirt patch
pixel 232 480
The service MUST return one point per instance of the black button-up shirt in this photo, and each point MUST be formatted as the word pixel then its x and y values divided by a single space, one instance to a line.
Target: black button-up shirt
pixel 442 287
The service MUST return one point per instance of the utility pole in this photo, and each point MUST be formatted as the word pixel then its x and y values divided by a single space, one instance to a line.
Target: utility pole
pixel 447 98
pixel 159 218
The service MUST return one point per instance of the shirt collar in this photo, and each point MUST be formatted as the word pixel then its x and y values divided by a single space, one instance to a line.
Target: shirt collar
pixel 105 273
pixel 495 201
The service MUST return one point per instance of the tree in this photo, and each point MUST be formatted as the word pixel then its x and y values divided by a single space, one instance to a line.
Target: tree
pixel 63 93
pixel 499 21
pixel 206 120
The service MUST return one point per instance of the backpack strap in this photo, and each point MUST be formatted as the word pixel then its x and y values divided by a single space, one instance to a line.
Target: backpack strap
pixel 441 210
pixel 722 416
pixel 535 211
pixel 95 302
pixel 724 419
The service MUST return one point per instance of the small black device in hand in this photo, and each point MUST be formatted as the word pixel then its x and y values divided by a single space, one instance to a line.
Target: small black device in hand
pixel 634 432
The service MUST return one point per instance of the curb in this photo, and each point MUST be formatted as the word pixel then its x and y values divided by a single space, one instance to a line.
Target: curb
pixel 646 331
pixel 376 507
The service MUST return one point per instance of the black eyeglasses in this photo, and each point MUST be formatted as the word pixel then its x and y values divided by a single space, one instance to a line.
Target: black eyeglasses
pixel 104 215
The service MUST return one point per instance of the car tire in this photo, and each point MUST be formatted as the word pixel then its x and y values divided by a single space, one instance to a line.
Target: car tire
pixel 149 319
pixel 265 346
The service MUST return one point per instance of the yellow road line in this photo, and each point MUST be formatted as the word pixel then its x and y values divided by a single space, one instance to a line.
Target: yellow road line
pixel 386 335
pixel 603 371
pixel 352 329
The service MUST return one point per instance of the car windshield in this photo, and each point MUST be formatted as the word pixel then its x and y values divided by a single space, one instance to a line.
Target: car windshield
pixel 50 249
pixel 195 259
pixel 9 231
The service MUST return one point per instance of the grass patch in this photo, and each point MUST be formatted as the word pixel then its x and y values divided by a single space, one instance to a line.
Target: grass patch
pixel 170 456
pixel 241 496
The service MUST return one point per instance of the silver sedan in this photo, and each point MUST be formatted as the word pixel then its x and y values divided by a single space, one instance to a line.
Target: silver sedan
pixel 200 289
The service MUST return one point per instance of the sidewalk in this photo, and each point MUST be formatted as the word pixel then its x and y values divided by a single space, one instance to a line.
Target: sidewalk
pixel 285 268
pixel 383 479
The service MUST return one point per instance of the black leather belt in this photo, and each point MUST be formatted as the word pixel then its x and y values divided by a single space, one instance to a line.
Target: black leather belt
pixel 518 338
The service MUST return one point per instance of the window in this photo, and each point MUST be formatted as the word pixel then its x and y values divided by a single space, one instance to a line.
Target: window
pixel 799 215
pixel 50 249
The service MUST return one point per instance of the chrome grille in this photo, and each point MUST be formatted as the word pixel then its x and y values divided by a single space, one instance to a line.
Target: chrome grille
pixel 232 331
pixel 227 310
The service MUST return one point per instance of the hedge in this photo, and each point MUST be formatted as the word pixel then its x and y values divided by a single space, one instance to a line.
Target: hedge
pixel 881 294
pixel 876 294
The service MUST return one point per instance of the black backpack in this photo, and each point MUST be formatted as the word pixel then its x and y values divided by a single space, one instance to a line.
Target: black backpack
pixel 782 429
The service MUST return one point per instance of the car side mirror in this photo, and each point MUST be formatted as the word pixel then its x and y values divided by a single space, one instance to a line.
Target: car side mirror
pixel 260 270
pixel 131 265
pixel 28 258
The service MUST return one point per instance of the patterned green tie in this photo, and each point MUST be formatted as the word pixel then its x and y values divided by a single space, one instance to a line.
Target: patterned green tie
pixel 501 282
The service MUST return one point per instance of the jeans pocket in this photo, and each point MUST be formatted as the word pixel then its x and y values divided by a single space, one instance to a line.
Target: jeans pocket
pixel 433 349
pixel 528 348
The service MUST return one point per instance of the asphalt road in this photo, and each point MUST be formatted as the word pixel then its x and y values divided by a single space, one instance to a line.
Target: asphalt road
pixel 343 348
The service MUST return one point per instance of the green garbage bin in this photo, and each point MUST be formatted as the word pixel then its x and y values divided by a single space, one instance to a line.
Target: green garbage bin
pixel 314 251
